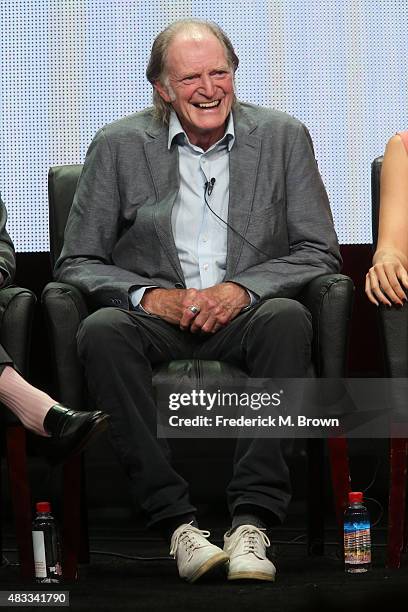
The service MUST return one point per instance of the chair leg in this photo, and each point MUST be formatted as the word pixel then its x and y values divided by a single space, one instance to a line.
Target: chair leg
pixel 396 507
pixel 315 525
pixel 405 543
pixel 340 476
pixel 71 527
pixel 84 539
pixel 1 505
pixel 20 497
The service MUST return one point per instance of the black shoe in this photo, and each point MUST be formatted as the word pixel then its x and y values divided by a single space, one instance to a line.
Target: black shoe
pixel 70 431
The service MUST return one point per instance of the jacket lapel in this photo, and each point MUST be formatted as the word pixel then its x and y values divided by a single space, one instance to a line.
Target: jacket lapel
pixel 163 166
pixel 243 169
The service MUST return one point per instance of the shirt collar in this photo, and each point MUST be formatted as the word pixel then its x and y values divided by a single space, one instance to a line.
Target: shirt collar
pixel 178 135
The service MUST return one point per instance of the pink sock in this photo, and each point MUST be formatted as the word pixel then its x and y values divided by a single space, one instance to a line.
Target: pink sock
pixel 28 403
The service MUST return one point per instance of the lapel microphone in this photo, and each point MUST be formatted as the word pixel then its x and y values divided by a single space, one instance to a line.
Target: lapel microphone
pixel 210 186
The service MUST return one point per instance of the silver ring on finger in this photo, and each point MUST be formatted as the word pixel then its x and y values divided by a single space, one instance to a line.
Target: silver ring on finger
pixel 194 309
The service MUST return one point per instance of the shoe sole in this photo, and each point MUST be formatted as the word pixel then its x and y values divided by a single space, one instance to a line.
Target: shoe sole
pixel 251 576
pixel 99 425
pixel 210 564
pixel 60 455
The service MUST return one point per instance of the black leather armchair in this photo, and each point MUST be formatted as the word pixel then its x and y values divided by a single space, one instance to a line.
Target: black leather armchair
pixel 16 313
pixel 328 297
pixel 394 336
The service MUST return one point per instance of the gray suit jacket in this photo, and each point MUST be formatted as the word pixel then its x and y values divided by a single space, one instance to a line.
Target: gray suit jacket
pixel 119 236
pixel 7 254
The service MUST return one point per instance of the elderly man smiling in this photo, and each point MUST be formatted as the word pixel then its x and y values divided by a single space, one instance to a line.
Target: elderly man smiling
pixel 195 224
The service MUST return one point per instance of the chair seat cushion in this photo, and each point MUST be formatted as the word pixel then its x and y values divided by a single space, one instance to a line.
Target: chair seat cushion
pixel 190 372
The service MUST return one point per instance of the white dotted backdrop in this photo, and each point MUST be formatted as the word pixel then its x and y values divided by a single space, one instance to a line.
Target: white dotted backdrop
pixel 70 66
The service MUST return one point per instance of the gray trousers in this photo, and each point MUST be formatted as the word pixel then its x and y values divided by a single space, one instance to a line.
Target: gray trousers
pixel 118 349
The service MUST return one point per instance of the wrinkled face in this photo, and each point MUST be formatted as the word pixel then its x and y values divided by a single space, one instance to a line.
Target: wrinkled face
pixel 199 85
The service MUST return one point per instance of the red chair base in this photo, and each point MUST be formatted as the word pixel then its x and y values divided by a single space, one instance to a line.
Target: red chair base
pixel 397 495
pixel 20 497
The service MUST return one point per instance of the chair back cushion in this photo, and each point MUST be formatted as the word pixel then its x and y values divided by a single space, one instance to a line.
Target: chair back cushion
pixel 62 182
pixel 375 197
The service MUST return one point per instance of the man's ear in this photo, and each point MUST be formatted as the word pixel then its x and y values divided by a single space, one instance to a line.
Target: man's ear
pixel 162 90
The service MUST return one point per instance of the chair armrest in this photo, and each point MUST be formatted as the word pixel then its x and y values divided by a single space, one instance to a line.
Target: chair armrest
pixel 330 299
pixel 375 197
pixel 394 337
pixel 64 309
pixel 16 315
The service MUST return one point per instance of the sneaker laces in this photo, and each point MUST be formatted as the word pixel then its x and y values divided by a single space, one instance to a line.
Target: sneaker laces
pixel 252 538
pixel 186 535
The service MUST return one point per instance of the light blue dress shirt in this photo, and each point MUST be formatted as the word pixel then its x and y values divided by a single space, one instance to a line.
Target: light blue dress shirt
pixel 200 237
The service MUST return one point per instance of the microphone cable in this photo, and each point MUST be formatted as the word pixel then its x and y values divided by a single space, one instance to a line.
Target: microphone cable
pixel 208 189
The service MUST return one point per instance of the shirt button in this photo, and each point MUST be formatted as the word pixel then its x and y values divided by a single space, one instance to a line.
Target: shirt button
pixel 205 238
pixel 205 267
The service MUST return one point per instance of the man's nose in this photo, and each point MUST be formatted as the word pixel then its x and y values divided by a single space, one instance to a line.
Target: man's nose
pixel 207 86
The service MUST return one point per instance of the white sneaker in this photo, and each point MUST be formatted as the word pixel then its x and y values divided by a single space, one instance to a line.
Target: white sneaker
pixel 246 548
pixel 194 554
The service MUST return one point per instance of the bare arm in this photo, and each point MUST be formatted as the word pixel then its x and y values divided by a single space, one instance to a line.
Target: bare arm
pixel 387 278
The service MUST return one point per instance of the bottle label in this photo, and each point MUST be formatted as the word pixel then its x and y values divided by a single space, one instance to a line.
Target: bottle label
pixel 40 564
pixel 57 569
pixel 357 544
